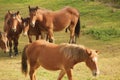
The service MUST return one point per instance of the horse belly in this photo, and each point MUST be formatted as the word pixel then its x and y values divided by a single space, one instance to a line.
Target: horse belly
pixel 61 22
pixel 51 62
pixel 48 67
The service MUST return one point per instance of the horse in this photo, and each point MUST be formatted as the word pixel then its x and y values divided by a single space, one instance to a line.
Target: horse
pixel 4 42
pixel 13 28
pixel 50 21
pixel 57 57
pixel 30 31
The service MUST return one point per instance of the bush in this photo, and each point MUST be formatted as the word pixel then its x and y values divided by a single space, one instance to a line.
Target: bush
pixel 103 33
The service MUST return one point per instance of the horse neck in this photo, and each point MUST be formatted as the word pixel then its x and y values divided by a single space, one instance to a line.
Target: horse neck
pixel 41 14
pixel 20 27
pixel 83 57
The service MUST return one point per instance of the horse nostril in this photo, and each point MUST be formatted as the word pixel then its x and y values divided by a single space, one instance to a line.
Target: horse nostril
pixel 95 73
pixel 14 29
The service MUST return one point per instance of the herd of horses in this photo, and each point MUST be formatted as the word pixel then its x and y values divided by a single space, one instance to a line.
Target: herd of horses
pixel 43 23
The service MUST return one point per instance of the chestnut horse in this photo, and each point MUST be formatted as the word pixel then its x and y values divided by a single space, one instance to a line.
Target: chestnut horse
pixel 67 17
pixel 4 42
pixel 13 28
pixel 28 30
pixel 57 57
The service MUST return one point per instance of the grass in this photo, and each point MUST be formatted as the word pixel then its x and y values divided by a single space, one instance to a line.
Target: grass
pixel 104 33
pixel 96 18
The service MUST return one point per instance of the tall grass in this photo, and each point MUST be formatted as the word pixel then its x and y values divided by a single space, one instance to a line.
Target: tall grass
pixel 104 34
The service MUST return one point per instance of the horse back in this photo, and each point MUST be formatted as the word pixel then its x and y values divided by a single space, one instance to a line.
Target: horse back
pixel 64 18
pixel 72 10
pixel 45 54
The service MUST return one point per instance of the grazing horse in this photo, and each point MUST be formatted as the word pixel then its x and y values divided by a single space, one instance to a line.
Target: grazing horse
pixel 13 28
pixel 50 21
pixel 57 57
pixel 4 42
pixel 30 31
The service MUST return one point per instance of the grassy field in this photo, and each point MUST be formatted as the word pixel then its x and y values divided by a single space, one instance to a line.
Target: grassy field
pixel 100 30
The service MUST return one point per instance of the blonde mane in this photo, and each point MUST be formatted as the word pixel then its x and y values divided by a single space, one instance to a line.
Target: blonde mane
pixel 73 51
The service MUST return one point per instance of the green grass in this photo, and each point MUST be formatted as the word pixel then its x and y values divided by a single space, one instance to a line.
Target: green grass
pixel 104 33
pixel 97 20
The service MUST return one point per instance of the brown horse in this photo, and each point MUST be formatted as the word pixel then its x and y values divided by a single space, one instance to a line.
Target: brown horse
pixel 4 42
pixel 30 31
pixel 57 57
pixel 67 17
pixel 13 28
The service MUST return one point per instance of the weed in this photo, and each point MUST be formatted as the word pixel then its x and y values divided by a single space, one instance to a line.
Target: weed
pixel 104 34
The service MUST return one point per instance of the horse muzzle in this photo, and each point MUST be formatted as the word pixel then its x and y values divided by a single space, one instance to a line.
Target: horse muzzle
pixel 95 73
pixel 14 29
pixel 32 24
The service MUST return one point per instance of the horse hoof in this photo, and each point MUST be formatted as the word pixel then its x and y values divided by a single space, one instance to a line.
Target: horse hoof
pixel 16 54
pixel 11 56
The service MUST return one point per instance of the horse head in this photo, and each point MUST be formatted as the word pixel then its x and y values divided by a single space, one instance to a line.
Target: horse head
pixel 4 42
pixel 15 20
pixel 26 24
pixel 33 15
pixel 91 61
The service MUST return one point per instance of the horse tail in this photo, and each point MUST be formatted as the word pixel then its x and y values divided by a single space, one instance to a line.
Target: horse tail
pixel 24 61
pixel 66 30
pixel 77 28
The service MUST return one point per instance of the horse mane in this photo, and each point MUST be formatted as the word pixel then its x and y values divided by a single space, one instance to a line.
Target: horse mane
pixel 73 51
pixel 44 10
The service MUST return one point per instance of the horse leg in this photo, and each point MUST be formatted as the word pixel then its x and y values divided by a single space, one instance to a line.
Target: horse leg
pixel 15 46
pixel 37 37
pixel 32 74
pixel 61 74
pixel 72 34
pixel 47 37
pixel 30 38
pixel 33 67
pixel 72 37
pixel 42 35
pixel 50 34
pixel 10 44
pixel 69 75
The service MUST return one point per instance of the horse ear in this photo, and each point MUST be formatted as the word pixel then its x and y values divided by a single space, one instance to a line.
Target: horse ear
pixel 9 12
pixel 22 19
pixel 37 7
pixel 29 7
pixel 88 51
pixel 97 51
pixel 18 12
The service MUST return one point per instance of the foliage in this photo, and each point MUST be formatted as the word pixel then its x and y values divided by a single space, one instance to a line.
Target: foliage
pixel 114 3
pixel 104 33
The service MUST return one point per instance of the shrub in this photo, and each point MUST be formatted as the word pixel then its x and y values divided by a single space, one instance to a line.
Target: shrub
pixel 103 33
